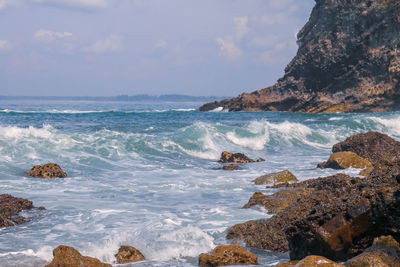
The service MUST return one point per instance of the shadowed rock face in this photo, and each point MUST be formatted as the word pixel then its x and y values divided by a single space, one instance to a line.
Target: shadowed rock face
pixel 10 207
pixel 348 61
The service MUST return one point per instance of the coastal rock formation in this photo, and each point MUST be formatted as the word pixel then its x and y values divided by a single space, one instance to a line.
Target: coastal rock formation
pixel 228 255
pixel 128 254
pixel 345 160
pixel 276 178
pixel 68 256
pixel 227 157
pixel 348 60
pixel 47 171
pixel 10 207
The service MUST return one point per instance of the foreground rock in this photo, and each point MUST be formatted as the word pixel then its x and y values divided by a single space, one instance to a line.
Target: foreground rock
pixel 128 254
pixel 345 160
pixel 47 171
pixel 228 255
pixel 68 256
pixel 227 157
pixel 347 61
pixel 10 207
pixel 311 261
pixel 276 178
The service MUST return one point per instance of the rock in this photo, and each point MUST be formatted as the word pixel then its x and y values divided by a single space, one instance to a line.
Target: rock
pixel 260 160
pixel 68 256
pixel 347 159
pixel 128 254
pixel 10 207
pixel 227 157
pixel 385 251
pixel 317 261
pixel 287 264
pixel 228 255
pixel 231 167
pixel 347 61
pixel 49 170
pixel 276 178
pixel 278 201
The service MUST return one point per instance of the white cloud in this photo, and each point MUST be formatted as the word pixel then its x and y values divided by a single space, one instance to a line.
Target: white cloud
pixel 50 36
pixel 161 43
pixel 5 45
pixel 229 49
pixel 75 3
pixel 111 44
pixel 241 26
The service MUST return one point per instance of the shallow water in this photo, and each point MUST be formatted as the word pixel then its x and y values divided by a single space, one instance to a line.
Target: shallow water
pixel 146 174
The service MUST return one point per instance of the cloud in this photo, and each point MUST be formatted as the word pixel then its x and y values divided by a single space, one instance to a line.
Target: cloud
pixel 46 35
pixel 111 44
pixel 74 3
pixel 228 48
pixel 5 45
pixel 8 3
pixel 241 26
pixel 161 43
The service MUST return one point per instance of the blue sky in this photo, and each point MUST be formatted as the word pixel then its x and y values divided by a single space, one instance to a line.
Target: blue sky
pixel 112 47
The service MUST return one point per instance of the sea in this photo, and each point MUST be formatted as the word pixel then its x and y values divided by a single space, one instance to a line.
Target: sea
pixel 146 174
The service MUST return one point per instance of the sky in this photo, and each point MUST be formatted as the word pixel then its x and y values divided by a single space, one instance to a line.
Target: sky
pixel 114 47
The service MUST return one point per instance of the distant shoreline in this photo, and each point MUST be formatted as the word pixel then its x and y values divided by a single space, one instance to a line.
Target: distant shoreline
pixel 152 98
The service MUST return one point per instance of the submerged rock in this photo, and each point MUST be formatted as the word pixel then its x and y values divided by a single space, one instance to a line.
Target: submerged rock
pixel 10 207
pixel 231 167
pixel 348 60
pixel 227 157
pixel 47 171
pixel 68 256
pixel 276 178
pixel 228 255
pixel 345 160
pixel 128 254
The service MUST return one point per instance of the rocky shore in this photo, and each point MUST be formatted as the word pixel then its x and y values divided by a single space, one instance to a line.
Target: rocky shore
pixel 348 60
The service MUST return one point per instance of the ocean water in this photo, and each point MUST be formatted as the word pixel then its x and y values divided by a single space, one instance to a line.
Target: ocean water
pixel 146 174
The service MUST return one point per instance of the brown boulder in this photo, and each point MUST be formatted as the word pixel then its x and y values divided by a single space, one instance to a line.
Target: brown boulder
pixel 68 256
pixel 276 178
pixel 317 261
pixel 228 255
pixel 384 252
pixel 227 157
pixel 128 254
pixel 278 201
pixel 10 207
pixel 231 167
pixel 47 171
pixel 347 159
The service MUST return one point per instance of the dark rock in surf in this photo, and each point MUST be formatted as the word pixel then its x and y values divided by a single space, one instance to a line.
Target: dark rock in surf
pixel 345 160
pixel 231 167
pixel 47 171
pixel 227 157
pixel 68 256
pixel 228 255
pixel 10 207
pixel 276 178
pixel 128 254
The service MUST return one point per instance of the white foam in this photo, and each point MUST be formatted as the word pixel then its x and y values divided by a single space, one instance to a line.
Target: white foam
pixel 392 125
pixel 218 109
pixel 45 253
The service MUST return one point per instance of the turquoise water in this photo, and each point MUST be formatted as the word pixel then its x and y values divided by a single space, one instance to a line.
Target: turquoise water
pixel 146 174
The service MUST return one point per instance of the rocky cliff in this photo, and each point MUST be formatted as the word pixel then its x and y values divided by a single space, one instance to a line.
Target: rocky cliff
pixel 348 61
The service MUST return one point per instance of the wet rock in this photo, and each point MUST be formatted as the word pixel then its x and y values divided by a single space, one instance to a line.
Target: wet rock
pixel 385 251
pixel 228 255
pixel 276 178
pixel 231 167
pixel 260 160
pixel 10 207
pixel 278 201
pixel 317 261
pixel 47 171
pixel 287 264
pixel 347 159
pixel 227 157
pixel 68 256
pixel 128 254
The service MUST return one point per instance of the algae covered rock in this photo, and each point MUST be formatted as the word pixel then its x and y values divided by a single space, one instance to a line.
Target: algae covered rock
pixel 68 256
pixel 228 255
pixel 47 171
pixel 227 157
pixel 276 178
pixel 348 159
pixel 128 254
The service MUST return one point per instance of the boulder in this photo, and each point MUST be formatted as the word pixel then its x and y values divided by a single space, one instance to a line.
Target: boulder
pixel 317 261
pixel 276 178
pixel 47 171
pixel 10 207
pixel 68 256
pixel 227 157
pixel 278 201
pixel 347 159
pixel 384 252
pixel 231 167
pixel 260 160
pixel 228 255
pixel 128 254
